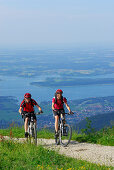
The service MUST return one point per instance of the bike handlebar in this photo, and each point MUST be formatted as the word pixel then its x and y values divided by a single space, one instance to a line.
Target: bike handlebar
pixel 29 113
pixel 38 113
pixel 69 113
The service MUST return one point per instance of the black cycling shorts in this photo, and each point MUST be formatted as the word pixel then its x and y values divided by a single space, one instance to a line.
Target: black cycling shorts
pixel 25 115
pixel 58 112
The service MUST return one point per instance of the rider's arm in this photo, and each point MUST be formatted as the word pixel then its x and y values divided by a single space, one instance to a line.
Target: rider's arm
pixel 39 107
pixel 53 106
pixel 53 103
pixel 20 110
pixel 67 106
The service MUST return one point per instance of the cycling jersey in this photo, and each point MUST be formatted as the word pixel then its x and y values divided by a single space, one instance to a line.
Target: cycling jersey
pixel 59 104
pixel 28 107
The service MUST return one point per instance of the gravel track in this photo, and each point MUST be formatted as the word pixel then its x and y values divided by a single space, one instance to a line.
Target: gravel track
pixel 99 154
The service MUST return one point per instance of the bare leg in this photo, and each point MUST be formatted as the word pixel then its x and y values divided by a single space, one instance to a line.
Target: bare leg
pixel 63 116
pixel 26 124
pixel 56 122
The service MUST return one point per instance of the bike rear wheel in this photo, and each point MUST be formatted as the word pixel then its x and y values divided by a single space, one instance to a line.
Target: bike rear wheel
pixel 66 134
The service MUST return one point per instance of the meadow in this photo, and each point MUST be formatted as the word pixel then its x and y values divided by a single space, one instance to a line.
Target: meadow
pixel 104 136
pixel 25 156
pixel 17 156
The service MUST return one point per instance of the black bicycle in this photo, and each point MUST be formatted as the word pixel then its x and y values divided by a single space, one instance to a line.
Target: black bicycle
pixel 64 132
pixel 32 130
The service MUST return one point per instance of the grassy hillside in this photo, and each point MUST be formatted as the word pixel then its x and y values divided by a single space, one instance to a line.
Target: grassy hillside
pixel 103 137
pixel 98 121
pixel 24 156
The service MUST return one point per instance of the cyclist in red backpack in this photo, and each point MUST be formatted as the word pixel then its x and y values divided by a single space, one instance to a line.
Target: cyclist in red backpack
pixel 58 107
pixel 27 106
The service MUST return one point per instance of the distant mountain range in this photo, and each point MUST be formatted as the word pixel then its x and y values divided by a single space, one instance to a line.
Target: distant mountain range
pixel 100 110
pixel 97 122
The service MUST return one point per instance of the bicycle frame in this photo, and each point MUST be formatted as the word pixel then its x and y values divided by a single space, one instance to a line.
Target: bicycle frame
pixel 31 124
pixel 61 122
pixel 61 138
pixel 32 130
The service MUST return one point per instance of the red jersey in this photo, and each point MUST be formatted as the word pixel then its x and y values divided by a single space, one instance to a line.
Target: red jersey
pixel 28 107
pixel 59 104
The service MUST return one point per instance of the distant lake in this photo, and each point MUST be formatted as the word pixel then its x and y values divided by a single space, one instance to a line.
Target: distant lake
pixel 39 64
pixel 18 86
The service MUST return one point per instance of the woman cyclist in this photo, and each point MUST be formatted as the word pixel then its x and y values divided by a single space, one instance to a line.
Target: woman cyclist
pixel 58 107
pixel 27 106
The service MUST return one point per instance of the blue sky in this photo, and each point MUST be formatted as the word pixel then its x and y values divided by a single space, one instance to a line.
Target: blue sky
pixel 29 22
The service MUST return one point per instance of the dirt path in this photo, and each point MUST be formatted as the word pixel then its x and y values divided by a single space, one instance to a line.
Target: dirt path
pixel 103 155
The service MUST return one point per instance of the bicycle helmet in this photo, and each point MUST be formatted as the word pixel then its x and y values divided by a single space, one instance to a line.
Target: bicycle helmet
pixel 59 91
pixel 27 95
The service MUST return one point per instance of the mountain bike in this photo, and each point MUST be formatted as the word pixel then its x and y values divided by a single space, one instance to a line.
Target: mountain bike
pixel 64 132
pixel 32 130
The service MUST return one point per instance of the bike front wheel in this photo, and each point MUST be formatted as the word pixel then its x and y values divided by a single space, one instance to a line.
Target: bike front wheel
pixel 35 135
pixel 66 134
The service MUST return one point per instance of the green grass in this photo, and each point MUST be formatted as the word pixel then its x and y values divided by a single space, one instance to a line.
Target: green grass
pixel 13 132
pixel 25 156
pixel 18 132
pixel 104 136
pixel 45 133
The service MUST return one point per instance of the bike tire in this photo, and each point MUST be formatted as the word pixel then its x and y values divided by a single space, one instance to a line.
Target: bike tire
pixel 35 135
pixel 65 138
pixel 29 136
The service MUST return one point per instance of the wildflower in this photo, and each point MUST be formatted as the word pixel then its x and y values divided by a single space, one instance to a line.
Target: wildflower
pixel 40 167
pixel 49 168
pixel 82 167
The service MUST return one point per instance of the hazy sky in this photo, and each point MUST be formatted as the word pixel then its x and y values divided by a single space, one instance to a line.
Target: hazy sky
pixel 56 21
